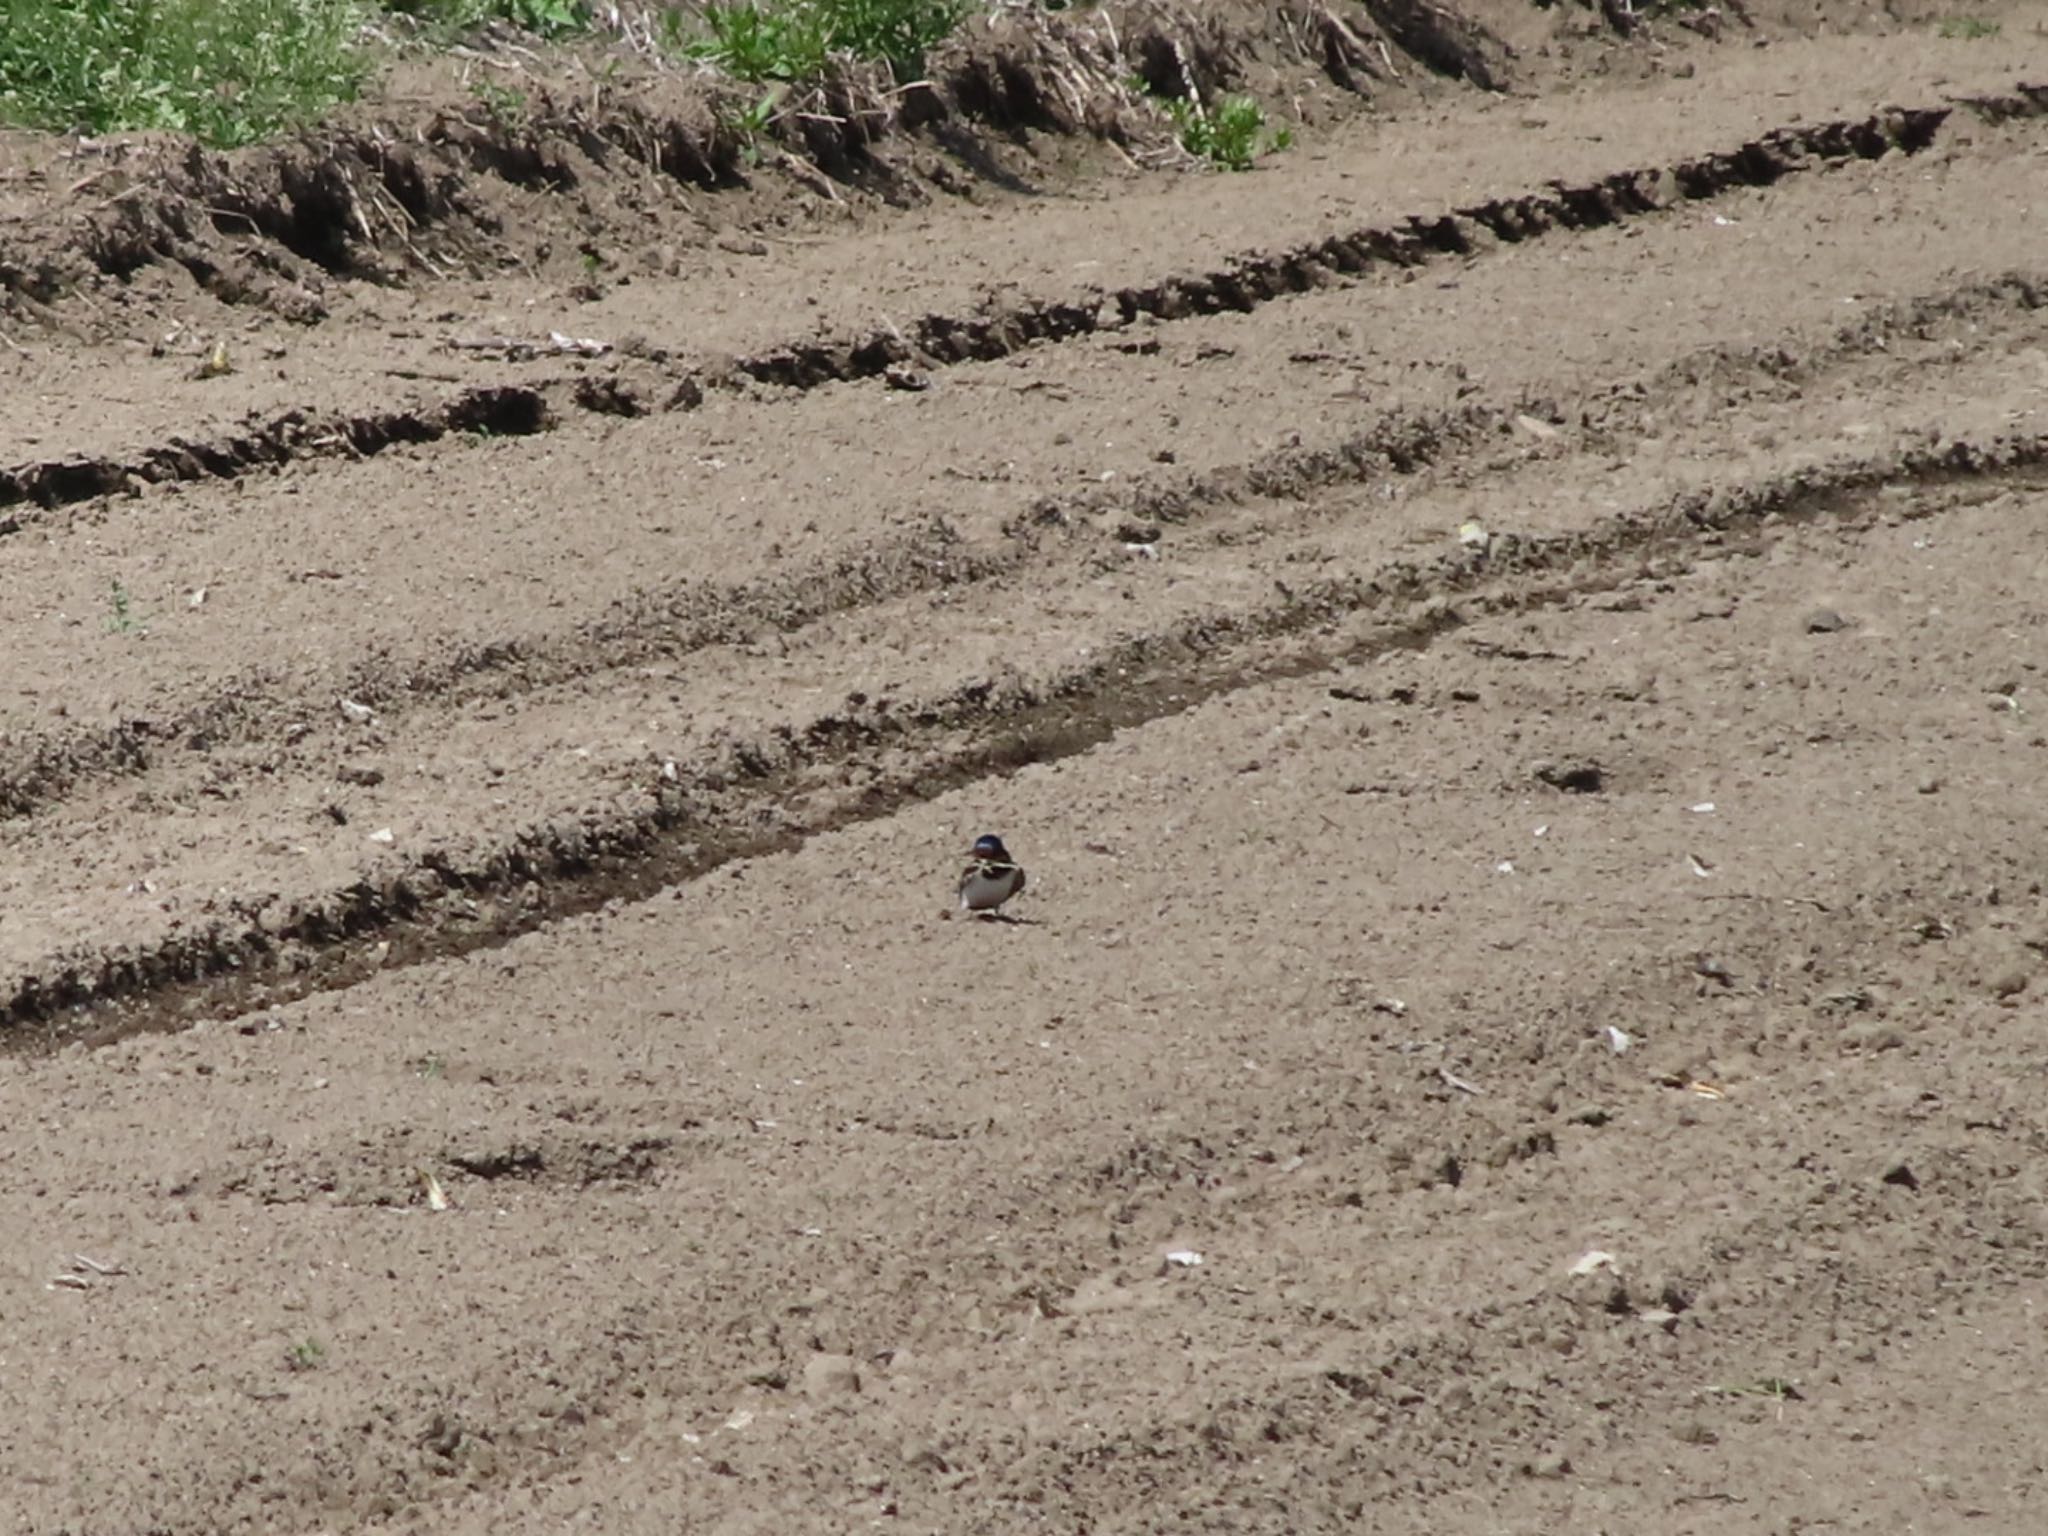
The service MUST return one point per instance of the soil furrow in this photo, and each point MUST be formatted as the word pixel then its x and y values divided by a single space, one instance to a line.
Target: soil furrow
pixel 683 826
pixel 289 437
pixel 694 616
pixel 1254 279
pixel 1242 285
pixel 670 623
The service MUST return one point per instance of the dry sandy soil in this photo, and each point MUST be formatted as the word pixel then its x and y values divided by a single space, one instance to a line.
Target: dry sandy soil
pixel 1510 641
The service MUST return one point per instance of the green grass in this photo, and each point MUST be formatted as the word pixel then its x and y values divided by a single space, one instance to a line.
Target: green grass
pixel 501 101
pixel 231 72
pixel 226 71
pixel 758 43
pixel 794 41
pixel 546 18
pixel 1231 134
pixel 896 32
pixel 1970 28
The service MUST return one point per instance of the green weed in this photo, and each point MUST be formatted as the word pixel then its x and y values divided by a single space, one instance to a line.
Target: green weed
pixel 305 1355
pixel 501 101
pixel 794 42
pixel 752 43
pixel 121 617
pixel 897 32
pixel 1969 28
pixel 749 124
pixel 227 71
pixel 545 18
pixel 1228 134
pixel 233 72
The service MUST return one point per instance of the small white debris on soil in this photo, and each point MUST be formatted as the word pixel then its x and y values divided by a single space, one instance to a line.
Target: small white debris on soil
pixel 97 1269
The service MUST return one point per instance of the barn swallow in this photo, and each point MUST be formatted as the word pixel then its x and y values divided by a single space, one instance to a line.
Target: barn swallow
pixel 991 878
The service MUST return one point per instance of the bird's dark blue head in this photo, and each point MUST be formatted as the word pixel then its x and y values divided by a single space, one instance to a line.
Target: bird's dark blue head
pixel 989 846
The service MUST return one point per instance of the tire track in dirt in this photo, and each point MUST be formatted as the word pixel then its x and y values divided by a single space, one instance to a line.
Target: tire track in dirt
pixel 692 616
pixel 544 850
pixel 689 617
pixel 673 622
pixel 683 827
pixel 940 341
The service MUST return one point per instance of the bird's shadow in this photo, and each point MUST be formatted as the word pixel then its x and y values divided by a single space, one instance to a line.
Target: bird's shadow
pixel 1005 917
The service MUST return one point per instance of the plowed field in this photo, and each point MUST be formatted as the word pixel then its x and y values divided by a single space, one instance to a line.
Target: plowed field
pixel 1510 641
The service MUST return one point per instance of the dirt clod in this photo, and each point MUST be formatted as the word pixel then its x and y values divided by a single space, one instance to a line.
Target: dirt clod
pixel 829 1376
pixel 1575 776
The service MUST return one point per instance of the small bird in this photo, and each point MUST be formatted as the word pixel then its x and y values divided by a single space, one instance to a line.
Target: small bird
pixel 992 877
